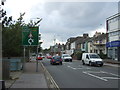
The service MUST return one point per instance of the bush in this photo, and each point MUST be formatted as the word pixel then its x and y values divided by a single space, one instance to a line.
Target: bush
pixel 78 55
pixel 103 56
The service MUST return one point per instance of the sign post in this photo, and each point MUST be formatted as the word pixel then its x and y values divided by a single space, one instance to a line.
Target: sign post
pixel 30 38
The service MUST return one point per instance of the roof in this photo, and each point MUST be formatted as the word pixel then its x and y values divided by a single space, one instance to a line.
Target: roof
pixel 100 37
pixel 82 40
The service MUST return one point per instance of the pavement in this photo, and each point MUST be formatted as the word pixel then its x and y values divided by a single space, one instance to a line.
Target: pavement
pixel 110 61
pixel 32 79
pixel 29 78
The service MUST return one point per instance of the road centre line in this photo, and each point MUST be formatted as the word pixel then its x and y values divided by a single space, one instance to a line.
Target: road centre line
pixel 78 68
pixel 95 76
pixel 71 67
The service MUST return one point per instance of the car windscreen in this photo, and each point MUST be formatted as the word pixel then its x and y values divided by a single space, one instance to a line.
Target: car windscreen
pixel 57 57
pixel 94 56
pixel 66 56
pixel 33 55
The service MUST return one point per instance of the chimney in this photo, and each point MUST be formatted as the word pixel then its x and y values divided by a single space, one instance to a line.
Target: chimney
pixel 85 35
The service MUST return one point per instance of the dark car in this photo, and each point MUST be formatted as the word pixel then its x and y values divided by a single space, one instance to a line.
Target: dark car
pixel 56 60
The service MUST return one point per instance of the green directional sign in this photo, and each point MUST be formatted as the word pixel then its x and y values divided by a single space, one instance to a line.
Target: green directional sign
pixel 30 36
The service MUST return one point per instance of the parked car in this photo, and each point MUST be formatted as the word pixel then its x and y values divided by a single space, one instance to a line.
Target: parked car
pixel 56 60
pixel 39 57
pixel 66 57
pixel 33 57
pixel 43 56
pixel 91 59
pixel 49 57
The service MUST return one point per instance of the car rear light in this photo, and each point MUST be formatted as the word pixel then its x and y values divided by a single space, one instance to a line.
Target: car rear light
pixel 53 60
pixel 60 59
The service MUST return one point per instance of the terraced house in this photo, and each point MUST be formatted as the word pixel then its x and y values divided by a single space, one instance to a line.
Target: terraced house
pixel 97 44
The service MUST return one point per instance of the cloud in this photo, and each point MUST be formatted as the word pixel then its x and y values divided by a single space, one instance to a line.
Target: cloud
pixel 72 19
pixel 64 19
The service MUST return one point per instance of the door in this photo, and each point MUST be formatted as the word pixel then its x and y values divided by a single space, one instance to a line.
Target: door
pixel 87 59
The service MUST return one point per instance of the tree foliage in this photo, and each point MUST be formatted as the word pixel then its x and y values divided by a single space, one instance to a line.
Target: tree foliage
pixel 12 36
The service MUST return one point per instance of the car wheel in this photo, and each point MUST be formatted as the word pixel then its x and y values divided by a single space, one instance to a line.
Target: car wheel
pixel 51 63
pixel 61 63
pixel 83 62
pixel 101 65
pixel 90 63
pixel 70 60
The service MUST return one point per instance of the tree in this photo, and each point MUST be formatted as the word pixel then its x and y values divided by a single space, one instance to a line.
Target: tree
pixel 12 36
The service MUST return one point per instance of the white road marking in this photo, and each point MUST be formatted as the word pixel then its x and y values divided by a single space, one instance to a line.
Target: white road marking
pixel 110 77
pixel 111 74
pixel 91 73
pixel 95 72
pixel 72 67
pixel 95 76
pixel 79 68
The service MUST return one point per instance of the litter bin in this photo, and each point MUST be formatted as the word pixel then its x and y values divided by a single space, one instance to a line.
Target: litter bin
pixel 15 64
pixel 5 69
pixel 2 85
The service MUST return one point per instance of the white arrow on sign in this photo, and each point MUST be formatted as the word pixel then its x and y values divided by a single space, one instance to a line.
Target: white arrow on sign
pixel 30 41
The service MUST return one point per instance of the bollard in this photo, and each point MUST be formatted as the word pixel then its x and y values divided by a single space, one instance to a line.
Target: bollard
pixel 2 85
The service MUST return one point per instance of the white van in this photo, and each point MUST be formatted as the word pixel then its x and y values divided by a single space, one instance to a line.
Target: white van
pixel 91 59
pixel 66 57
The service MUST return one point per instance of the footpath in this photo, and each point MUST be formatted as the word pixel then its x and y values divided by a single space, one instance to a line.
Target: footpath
pixel 110 62
pixel 30 78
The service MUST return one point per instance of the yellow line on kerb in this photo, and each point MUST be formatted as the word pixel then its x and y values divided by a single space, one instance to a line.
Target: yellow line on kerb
pixel 51 78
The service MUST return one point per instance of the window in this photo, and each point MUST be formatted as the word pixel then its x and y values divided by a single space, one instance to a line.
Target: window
pixel 83 45
pixel 114 33
pixel 96 51
pixel 94 56
pixel 90 51
pixel 100 41
pixel 87 56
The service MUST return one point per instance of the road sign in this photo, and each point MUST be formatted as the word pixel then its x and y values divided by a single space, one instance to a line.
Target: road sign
pixel 30 36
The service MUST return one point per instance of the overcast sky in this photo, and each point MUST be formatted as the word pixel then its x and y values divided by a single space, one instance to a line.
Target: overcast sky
pixel 62 20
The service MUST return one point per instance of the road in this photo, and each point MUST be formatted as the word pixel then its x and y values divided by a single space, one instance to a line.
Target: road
pixel 75 75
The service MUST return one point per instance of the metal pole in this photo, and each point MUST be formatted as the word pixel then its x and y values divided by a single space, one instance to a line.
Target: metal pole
pixel 29 53
pixel 24 60
pixel 37 61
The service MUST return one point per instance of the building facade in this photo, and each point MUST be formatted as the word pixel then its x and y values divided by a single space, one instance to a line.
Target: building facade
pixel 113 40
pixel 97 44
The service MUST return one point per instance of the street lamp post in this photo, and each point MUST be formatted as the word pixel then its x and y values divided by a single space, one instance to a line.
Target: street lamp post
pixel 33 24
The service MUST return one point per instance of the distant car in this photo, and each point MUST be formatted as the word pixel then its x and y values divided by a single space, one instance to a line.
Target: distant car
pixel 56 60
pixel 33 57
pixel 49 57
pixel 66 57
pixel 39 57
pixel 43 56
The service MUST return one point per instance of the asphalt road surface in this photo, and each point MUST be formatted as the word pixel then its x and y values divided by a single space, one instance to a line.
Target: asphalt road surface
pixel 75 75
